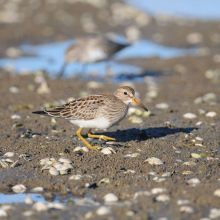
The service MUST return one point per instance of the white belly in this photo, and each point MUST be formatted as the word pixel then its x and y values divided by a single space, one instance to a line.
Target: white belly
pixel 99 123
pixel 94 55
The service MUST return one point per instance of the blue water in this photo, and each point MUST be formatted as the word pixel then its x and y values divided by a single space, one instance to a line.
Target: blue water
pixel 20 197
pixel 50 57
pixel 199 9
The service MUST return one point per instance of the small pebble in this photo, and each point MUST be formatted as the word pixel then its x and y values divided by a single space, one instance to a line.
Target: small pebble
pixel 186 209
pixel 211 114
pixel 14 89
pixel 103 210
pixel 37 189
pixel 154 161
pixel 199 123
pixel 162 106
pixel 189 115
pixel 162 198
pixel 193 181
pixel 217 192
pixel 110 197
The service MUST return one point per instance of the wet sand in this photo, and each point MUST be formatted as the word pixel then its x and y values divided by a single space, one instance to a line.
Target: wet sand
pixel 165 134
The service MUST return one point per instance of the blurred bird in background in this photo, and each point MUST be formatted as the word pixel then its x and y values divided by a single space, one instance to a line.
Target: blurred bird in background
pixel 91 49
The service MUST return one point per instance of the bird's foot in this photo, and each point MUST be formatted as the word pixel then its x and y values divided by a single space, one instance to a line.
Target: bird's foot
pixel 96 148
pixel 105 138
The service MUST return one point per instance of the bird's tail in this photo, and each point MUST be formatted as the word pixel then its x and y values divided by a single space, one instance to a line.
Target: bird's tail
pixel 41 113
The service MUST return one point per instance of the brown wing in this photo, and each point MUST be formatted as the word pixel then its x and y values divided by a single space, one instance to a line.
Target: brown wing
pixel 83 108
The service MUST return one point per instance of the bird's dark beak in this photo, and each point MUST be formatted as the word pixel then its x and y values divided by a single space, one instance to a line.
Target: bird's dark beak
pixel 134 100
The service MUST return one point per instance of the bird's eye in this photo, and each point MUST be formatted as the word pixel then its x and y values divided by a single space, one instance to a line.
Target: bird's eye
pixel 125 93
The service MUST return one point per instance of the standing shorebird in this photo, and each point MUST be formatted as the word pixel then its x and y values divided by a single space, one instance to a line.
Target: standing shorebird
pixel 99 111
pixel 91 49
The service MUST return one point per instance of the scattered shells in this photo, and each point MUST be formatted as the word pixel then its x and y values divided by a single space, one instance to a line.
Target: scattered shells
pixel 193 181
pixel 186 209
pixel 28 200
pixel 162 198
pixel 211 114
pixel 158 190
pixel 37 189
pixel 53 171
pixel 9 154
pixel 15 117
pixel 135 119
pixel 183 202
pixel 3 164
pixel 110 197
pixel 86 149
pixel 104 180
pixel 40 206
pixel 19 188
pixel 65 160
pixel 14 164
pixel 75 177
pixel 154 161
pixel 3 213
pixel 217 192
pixel 162 106
pixel 189 163
pixel 103 210
pixel 214 213
pixel 77 149
pixel 189 115
pixel 106 151
pixel 141 193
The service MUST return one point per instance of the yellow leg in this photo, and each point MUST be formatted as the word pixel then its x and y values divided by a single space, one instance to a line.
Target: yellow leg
pixel 87 144
pixel 101 137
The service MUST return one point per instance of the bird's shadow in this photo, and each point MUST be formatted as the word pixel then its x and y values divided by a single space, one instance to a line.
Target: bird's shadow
pixel 133 134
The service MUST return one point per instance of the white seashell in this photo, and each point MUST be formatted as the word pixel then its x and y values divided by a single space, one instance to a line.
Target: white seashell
pixel 3 164
pixel 189 115
pixel 15 117
pixel 62 167
pixel 158 190
pixel 183 202
pixel 103 210
pixel 20 188
pixel 152 173
pixel 217 192
pixel 106 151
pixel 28 200
pixel 199 123
pixel 3 213
pixel 14 89
pixel 9 154
pixel 53 160
pixel 9 160
pixel 214 213
pixel 43 161
pixel 14 164
pixel 201 111
pixel 40 206
pixel 189 163
pixel 199 139
pixel 63 172
pixel 112 150
pixel 186 209
pixel 167 174
pixel 56 205
pixel 162 106
pixel 154 161
pixel 162 198
pixel 75 177
pixel 37 189
pixel 141 193
pixel 86 149
pixel 65 160
pixel 53 171
pixel 131 110
pixel 193 181
pixel 211 114
pixel 77 149
pixel 110 197
pixel 70 166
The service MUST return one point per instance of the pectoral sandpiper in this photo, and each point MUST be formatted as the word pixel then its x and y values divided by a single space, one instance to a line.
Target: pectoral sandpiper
pixel 98 111
pixel 91 49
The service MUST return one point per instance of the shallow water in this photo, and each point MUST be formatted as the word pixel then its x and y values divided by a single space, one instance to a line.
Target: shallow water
pixel 200 9
pixel 50 57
